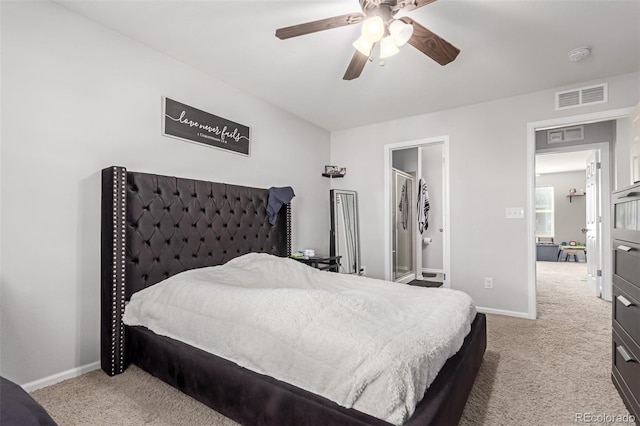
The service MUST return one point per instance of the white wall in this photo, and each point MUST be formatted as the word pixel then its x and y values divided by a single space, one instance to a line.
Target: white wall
pixel 488 166
pixel 622 176
pixel 78 97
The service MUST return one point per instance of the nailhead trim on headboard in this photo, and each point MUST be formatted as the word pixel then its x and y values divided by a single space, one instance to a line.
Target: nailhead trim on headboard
pixel 156 226
pixel 288 229
pixel 113 269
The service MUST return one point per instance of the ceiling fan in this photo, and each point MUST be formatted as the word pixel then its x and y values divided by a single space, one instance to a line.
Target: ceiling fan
pixel 379 25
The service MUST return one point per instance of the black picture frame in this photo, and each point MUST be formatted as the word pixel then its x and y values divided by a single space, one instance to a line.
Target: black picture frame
pixel 187 123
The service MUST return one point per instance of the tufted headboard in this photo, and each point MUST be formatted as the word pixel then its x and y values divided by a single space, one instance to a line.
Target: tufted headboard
pixel 156 226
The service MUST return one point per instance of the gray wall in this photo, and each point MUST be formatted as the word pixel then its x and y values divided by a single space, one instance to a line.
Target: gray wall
pixel 604 131
pixel 569 216
pixel 405 160
pixel 78 97
pixel 432 174
pixel 488 170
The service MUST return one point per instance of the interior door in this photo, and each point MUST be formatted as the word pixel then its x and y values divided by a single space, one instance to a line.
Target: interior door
pixel 403 235
pixel 594 223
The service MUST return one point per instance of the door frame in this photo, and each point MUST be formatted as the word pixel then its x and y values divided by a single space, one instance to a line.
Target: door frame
pixel 606 174
pixel 388 150
pixel 532 127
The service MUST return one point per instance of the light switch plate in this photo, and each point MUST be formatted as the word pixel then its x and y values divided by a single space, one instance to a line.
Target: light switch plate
pixel 514 213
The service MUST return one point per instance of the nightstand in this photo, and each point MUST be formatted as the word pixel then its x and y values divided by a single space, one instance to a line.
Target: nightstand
pixel 324 263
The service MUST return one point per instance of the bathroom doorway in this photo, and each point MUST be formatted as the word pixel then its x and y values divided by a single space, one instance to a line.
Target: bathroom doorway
pixel 417 247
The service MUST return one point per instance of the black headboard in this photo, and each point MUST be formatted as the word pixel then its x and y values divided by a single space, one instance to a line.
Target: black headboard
pixel 156 226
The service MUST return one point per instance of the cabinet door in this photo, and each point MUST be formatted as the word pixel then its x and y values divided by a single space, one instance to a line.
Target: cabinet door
pixel 626 214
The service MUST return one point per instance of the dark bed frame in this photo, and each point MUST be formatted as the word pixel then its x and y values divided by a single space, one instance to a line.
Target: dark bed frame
pixel 156 226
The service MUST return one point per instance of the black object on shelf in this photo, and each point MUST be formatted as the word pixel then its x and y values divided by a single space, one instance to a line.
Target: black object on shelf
pixel 324 263
pixel 575 195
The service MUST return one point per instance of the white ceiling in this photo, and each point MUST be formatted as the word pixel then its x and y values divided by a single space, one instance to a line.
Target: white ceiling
pixel 508 48
pixel 562 162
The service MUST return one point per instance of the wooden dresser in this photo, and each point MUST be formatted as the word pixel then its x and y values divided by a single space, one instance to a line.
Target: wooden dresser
pixel 625 371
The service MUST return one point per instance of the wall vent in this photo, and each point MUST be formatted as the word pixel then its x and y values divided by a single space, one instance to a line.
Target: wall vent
pixel 581 97
pixel 567 134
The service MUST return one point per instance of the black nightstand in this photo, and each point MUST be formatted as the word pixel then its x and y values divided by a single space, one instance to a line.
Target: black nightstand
pixel 324 263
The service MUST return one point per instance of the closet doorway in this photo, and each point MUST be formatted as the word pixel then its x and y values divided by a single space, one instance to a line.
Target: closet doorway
pixel 409 253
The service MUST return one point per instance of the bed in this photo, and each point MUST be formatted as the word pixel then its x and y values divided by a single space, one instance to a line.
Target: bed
pixel 154 227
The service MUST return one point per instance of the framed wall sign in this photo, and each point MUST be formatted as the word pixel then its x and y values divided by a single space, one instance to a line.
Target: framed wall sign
pixel 191 124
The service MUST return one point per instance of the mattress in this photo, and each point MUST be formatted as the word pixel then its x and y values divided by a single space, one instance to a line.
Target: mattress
pixel 363 343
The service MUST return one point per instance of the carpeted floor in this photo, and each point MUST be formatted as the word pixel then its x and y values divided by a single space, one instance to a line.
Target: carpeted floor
pixel 548 371
pixel 543 372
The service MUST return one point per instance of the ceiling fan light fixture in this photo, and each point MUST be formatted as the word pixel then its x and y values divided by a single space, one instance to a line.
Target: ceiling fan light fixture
pixel 363 45
pixel 373 29
pixel 388 47
pixel 401 32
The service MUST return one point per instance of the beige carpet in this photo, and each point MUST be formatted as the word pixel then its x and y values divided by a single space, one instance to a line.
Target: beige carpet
pixel 541 372
pixel 548 371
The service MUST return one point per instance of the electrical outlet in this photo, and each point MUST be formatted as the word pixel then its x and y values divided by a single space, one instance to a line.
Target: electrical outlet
pixel 488 282
pixel 363 270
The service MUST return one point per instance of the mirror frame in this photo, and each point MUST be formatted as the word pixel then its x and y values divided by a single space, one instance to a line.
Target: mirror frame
pixel 333 249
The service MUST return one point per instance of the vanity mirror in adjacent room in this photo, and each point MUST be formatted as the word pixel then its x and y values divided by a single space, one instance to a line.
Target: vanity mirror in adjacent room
pixel 344 238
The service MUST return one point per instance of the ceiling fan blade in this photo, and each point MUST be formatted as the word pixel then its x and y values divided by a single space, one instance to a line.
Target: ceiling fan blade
pixel 430 44
pixel 358 61
pixel 408 5
pixel 320 25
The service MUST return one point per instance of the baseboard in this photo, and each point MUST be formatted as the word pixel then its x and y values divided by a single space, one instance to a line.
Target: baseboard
pixel 56 378
pixel 503 312
pixel 433 271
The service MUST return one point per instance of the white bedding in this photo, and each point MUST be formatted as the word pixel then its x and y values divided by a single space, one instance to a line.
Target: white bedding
pixel 366 344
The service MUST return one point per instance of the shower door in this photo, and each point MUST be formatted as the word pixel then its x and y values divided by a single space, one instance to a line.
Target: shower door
pixel 403 234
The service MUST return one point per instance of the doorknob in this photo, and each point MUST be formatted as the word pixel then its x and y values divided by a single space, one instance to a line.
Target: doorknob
pixel 440 229
pixel 584 230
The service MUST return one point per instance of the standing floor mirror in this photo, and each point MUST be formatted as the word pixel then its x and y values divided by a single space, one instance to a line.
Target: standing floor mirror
pixel 344 238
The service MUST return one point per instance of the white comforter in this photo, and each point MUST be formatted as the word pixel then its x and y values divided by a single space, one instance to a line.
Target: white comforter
pixel 364 343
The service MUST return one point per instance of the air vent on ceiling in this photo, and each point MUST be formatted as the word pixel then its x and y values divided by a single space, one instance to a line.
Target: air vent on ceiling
pixel 583 96
pixel 567 134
